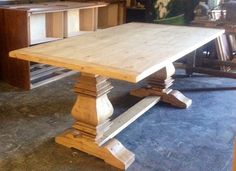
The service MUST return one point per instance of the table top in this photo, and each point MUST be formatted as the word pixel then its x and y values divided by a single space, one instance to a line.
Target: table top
pixel 129 52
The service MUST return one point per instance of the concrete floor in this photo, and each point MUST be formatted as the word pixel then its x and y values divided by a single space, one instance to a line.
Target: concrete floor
pixel 164 139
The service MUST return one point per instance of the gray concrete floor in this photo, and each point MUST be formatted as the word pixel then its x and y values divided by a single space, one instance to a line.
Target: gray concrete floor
pixel 164 139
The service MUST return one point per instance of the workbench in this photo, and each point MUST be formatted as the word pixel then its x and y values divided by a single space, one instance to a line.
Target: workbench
pixel 129 52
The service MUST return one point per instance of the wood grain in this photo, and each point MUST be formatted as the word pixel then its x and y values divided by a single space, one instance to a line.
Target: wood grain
pixel 113 152
pixel 129 52
pixel 88 19
pixel 128 117
pixel 15 72
pixel 55 24
pixel 159 84
pixel 92 111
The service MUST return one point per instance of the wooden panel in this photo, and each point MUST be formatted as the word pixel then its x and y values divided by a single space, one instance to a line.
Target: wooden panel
pixel 2 44
pixel 128 117
pixel 37 25
pixel 128 52
pixel 108 16
pixel 55 24
pixel 113 18
pixel 72 26
pixel 122 13
pixel 88 19
pixel 15 72
pixel 102 17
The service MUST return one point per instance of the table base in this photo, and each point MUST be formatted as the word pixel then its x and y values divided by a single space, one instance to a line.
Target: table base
pixel 159 85
pixel 112 152
pixel 94 133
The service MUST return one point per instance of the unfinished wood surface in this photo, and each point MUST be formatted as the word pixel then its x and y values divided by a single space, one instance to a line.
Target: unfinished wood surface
pixel 128 52
pixel 108 16
pixel 89 19
pixel 128 117
pixel 159 85
pixel 112 152
pixel 122 13
pixel 92 111
pixel 55 24
pixel 112 13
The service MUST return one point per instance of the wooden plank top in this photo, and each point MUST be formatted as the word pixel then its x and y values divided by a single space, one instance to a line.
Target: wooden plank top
pixel 129 52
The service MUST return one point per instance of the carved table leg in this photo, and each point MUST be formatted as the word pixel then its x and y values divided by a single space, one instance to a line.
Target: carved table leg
pixel 159 84
pixel 92 111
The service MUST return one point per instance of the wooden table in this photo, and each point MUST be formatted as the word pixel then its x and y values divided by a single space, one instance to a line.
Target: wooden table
pixel 129 52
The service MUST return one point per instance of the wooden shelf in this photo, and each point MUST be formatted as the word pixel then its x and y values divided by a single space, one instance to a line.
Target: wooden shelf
pixel 46 27
pixel 44 40
pixel 42 74
pixel 30 24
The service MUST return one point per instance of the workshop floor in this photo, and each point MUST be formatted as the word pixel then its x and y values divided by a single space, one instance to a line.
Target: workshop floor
pixel 164 139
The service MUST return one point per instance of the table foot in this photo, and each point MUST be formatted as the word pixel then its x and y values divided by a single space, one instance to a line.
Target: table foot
pixel 175 97
pixel 112 152
pixel 159 85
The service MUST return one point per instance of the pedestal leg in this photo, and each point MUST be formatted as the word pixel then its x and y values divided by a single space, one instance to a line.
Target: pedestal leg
pixel 159 85
pixel 92 111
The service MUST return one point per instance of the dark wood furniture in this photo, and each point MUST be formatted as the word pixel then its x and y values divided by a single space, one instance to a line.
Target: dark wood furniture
pixel 29 24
